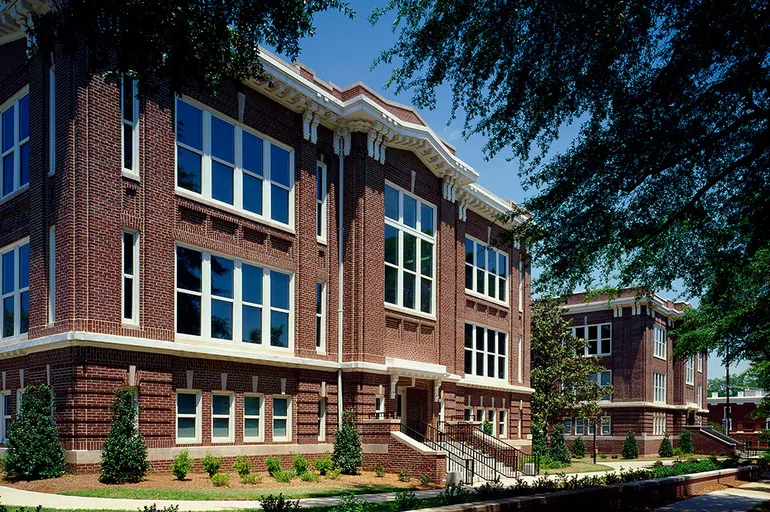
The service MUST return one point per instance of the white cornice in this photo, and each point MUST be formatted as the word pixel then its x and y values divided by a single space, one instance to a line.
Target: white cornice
pixel 659 305
pixel 651 405
pixel 473 382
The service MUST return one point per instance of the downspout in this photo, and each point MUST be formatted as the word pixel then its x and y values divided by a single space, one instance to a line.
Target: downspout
pixel 340 269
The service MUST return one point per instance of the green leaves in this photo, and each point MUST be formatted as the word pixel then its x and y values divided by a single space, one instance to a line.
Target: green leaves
pixel 124 454
pixel 348 453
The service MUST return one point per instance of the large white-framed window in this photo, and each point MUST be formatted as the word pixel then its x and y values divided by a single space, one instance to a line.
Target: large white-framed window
pixel 598 339
pixel 700 362
pixel 322 419
pixel 658 424
pixel 491 420
pixel 14 143
pixel 590 426
pixel 222 417
pixel 51 274
pixel 659 387
pixel 502 427
pixel 606 426
pixel 699 395
pixel 129 115
pixel 5 407
pixel 253 417
pixel 51 120
pixel 281 418
pixel 521 284
pixel 14 288
pixel 188 416
pixel 226 299
pixel 602 379
pixel 222 161
pixel 486 271
pixel 520 356
pixel 660 342
pixel 410 251
pixel 580 428
pixel 379 407
pixel 688 371
pixel 130 277
pixel 320 317
pixel 320 202
pixel 486 352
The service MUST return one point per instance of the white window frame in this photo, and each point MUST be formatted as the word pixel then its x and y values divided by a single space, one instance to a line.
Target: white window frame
pixel 260 418
pixel 599 339
pixel 237 301
pixel 659 424
pixel 379 407
pixel 230 417
pixel 605 421
pixel 441 411
pixel 502 423
pixel 287 418
pixel 322 419
pixel 197 416
pixel 688 371
pixel 699 395
pixel 486 273
pixel 521 283
pixel 660 345
pixel 16 292
pixel 402 228
pixel 134 318
pixel 521 359
pixel 486 353
pixel 700 362
pixel 580 428
pixel 51 120
pixel 598 381
pixel 321 325
pixel 133 125
pixel 492 419
pixel 206 158
pixel 659 392
pixel 51 275
pixel 321 202
pixel 13 101
pixel 479 418
pixel 5 419
pixel 568 425
pixel 468 415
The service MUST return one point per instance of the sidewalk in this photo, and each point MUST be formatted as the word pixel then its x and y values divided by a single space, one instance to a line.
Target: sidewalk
pixel 738 499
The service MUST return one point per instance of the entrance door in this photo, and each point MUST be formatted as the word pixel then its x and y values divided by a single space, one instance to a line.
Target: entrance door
pixel 417 409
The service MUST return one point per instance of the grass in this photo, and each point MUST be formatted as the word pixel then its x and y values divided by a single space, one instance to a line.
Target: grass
pixel 205 494
pixel 578 466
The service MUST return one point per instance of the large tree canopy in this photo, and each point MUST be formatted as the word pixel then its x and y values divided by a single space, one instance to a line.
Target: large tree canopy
pixel 181 40
pixel 669 175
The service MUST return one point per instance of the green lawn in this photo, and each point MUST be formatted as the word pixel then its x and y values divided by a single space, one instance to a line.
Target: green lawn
pixel 205 494
pixel 578 466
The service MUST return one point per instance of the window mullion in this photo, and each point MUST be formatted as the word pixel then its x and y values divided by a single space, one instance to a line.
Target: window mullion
pixel 237 301
pixel 206 176
pixel 16 150
pixel 267 206
pixel 266 308
pixel 206 295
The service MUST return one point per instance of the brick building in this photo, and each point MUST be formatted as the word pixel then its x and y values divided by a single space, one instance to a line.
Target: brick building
pixel 224 257
pixel 653 392
pixel 743 426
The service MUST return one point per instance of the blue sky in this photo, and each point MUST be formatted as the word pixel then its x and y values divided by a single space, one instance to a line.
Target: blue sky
pixel 342 51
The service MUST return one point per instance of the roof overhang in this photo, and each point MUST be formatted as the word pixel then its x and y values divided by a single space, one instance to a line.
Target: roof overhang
pixel 656 303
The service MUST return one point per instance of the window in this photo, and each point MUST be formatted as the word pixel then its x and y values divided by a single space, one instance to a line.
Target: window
pixel 320 202
pixel 14 285
pixel 658 424
pixel 689 374
pixel 228 163
pixel 281 418
pixel 51 120
pixel 660 342
pixel 5 406
pixel 486 270
pixel 521 359
pixel 602 379
pixel 479 415
pixel 485 352
pixel 579 427
pixel 468 414
pixel 591 424
pixel 188 417
pixel 399 404
pixel 322 419
pixel 130 277
pixel 502 428
pixel 606 426
pixel 598 339
pixel 14 143
pixel 491 420
pixel 226 299
pixel 253 414
pixel 52 274
pixel 568 426
pixel 700 361
pixel 379 407
pixel 521 284
pixel 441 411
pixel 699 395
pixel 222 417
pixel 659 387
pixel 320 316
pixel 410 227
pixel 129 113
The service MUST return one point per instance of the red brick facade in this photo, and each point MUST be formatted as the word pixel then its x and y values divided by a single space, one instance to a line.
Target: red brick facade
pixel 745 427
pixel 86 351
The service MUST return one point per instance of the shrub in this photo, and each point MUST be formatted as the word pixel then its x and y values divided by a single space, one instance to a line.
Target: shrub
pixel 284 476
pixel 678 452
pixel 221 480
pixel 278 504
pixel 546 462
pixel 614 456
pixel 333 474
pixel 404 476
pixel 273 465
pixel 34 451
pixel 665 449
pixel 181 464
pixel 350 503
pixel 578 448
pixel 630 447
pixel 454 494
pixel 211 464
pixel 539 445
pixel 325 464
pixel 424 479
pixel 124 455
pixel 379 471
pixel 242 465
pixel 301 464
pixel 405 500
pixel 491 489
pixel 558 450
pixel 486 427
pixel 348 455
pixel 307 476
pixel 154 508
pixel 603 456
pixel 251 479
pixel 685 441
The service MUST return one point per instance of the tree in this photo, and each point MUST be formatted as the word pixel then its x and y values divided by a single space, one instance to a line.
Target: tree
pixel 539 444
pixel 34 450
pixel 738 382
pixel 630 447
pixel 578 448
pixel 560 375
pixel 665 449
pixel 124 455
pixel 558 449
pixel 666 178
pixel 348 453
pixel 180 40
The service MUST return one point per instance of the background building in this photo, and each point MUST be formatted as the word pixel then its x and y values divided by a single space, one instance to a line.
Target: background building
pixel 743 426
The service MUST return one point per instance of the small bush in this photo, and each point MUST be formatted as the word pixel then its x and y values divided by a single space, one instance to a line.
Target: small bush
pixel 630 447
pixel 284 476
pixel 348 454
pixel 404 476
pixel 278 504
pixel 124 455
pixel 578 448
pixel 558 449
pixel 379 471
pixel 324 464
pixel 405 500
pixel 154 508
pixel 273 465
pixel 301 464
pixel 181 464
pixel 307 476
pixel 251 479
pixel 424 479
pixel 221 480
pixel 547 462
pixel 614 456
pixel 454 494
pixel 211 464
pixel 487 427
pixel 603 456
pixel 333 474
pixel 491 490
pixel 242 465
pixel 350 503
pixel 685 441
pixel 677 452
pixel 665 449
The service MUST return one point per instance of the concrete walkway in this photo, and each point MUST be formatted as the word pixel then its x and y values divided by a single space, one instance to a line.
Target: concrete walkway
pixel 737 499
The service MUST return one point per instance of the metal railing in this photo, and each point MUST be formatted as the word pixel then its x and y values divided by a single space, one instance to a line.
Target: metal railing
pixel 455 460
pixel 739 446
pixel 511 458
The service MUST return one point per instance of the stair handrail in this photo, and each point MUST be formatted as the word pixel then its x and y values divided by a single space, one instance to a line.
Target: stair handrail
pixel 509 455
pixel 455 458
pixel 482 466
